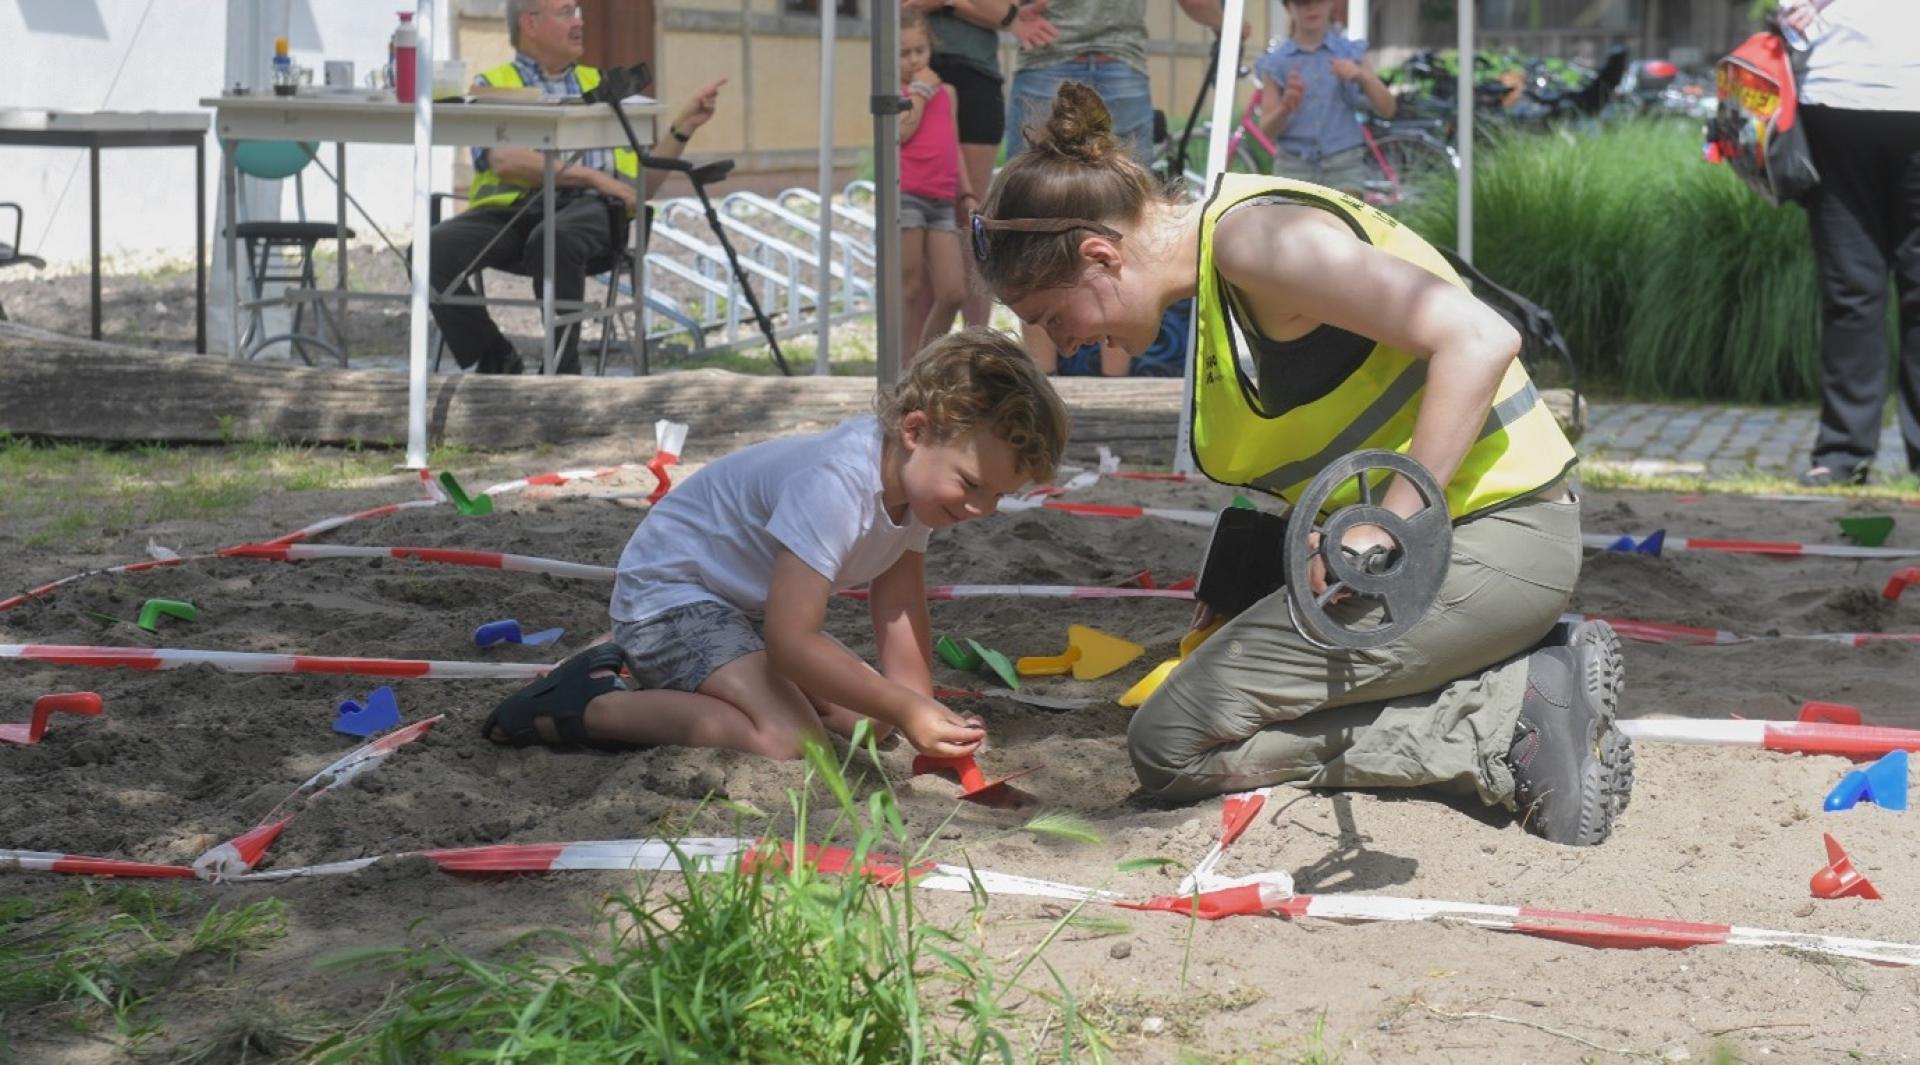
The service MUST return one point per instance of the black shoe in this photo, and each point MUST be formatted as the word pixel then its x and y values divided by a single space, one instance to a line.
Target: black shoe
pixel 1572 768
pixel 1829 476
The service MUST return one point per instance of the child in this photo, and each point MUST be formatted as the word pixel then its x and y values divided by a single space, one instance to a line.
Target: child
pixel 1324 326
pixel 723 589
pixel 932 186
pixel 1311 86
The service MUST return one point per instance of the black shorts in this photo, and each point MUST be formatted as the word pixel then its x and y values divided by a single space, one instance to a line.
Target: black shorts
pixel 982 111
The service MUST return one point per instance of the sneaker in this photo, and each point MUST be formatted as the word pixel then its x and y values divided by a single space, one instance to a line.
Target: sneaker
pixel 1572 768
pixel 1827 476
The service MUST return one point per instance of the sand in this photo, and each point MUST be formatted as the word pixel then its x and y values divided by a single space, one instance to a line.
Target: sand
pixel 184 759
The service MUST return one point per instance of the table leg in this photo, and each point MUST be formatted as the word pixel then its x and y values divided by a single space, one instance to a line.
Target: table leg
pixel 340 223
pixel 93 208
pixel 546 261
pixel 200 246
pixel 230 177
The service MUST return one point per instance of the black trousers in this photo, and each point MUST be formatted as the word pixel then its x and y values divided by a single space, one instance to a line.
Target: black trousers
pixel 1865 218
pixel 587 233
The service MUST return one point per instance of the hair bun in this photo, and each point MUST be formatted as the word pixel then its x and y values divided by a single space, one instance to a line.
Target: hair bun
pixel 1080 127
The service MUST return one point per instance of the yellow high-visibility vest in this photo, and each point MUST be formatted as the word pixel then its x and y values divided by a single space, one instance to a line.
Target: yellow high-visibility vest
pixel 1520 448
pixel 488 190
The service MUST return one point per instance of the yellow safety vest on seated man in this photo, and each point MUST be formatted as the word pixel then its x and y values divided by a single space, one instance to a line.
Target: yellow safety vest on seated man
pixel 489 190
pixel 1520 448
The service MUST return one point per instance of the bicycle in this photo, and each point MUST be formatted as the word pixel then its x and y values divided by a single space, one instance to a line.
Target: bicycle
pixel 1403 163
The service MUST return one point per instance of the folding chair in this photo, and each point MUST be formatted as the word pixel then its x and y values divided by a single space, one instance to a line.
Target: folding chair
pixel 11 255
pixel 621 263
pixel 283 252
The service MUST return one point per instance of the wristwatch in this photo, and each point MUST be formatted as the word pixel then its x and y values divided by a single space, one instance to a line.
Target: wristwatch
pixel 674 131
pixel 1013 12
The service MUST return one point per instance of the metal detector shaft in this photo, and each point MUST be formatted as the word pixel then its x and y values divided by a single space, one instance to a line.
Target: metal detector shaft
pixel 719 232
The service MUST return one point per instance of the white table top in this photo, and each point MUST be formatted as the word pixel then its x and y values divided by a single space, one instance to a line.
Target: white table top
pixel 357 119
pixel 37 120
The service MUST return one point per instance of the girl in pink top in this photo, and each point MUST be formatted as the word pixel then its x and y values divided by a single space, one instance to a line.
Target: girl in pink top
pixel 933 191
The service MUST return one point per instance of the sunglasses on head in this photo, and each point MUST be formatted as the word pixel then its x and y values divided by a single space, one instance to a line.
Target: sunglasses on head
pixel 982 225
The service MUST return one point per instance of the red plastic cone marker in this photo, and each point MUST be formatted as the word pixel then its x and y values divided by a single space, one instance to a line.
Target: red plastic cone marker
pixel 1840 880
pixel 29 733
pixel 1829 714
pixel 239 854
pixel 1899 581
pixel 974 785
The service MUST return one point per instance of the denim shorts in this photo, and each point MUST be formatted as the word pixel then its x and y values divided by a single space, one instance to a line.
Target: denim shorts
pixel 921 212
pixel 1126 92
pixel 679 648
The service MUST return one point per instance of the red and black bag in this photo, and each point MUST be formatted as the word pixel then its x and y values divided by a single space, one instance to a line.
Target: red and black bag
pixel 1757 128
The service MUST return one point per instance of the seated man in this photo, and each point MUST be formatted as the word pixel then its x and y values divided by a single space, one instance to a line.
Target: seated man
pixel 594 199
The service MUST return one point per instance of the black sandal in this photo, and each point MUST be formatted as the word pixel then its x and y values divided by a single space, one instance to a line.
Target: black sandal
pixel 560 697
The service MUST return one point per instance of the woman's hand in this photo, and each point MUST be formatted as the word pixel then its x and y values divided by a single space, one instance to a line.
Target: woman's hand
pixel 933 729
pixel 1799 16
pixel 1359 540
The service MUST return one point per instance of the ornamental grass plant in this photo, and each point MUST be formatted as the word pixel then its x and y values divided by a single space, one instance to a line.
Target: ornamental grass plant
pixel 1669 277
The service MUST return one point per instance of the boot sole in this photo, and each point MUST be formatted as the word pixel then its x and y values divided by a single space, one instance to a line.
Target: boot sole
pixel 1609 774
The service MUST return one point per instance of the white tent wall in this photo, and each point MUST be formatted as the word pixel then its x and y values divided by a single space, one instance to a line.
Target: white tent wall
pixel 165 55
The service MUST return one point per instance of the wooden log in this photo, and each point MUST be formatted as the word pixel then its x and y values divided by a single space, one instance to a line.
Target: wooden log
pixel 97 392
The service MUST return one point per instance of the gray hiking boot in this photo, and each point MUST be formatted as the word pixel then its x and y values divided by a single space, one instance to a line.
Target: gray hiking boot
pixel 1572 768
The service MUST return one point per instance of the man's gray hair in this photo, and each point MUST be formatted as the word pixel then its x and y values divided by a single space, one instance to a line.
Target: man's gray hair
pixel 517 9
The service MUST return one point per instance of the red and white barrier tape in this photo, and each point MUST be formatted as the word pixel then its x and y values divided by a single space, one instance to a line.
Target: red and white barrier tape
pixel 1694 636
pixel 240 854
pixel 1122 511
pixel 942 592
pixel 1790 737
pixel 442 555
pixel 145 658
pixel 329 524
pixel 1779 549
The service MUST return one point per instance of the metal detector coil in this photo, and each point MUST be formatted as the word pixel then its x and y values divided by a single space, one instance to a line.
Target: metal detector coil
pixel 1403 581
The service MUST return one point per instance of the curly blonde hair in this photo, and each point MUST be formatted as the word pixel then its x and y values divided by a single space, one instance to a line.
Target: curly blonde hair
pixel 982 378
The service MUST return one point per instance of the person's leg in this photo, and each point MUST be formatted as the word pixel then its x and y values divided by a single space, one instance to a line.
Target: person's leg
pixel 1850 221
pixel 582 237
pixel 1257 704
pixel 977 308
pixel 469 330
pixel 948 277
pixel 914 290
pixel 742 706
pixel 1903 148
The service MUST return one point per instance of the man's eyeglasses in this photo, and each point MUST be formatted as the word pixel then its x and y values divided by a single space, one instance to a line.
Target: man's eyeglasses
pixel 566 13
pixel 982 225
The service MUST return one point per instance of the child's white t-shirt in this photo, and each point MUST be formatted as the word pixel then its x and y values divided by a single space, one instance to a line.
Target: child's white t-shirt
pixel 716 535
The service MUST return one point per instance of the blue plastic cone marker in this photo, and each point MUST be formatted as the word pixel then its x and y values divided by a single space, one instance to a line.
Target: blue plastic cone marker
pixel 493 632
pixel 473 506
pixel 1652 544
pixel 1887 781
pixel 1884 784
pixel 1623 545
pixel 1869 530
pixel 543 637
pixel 381 713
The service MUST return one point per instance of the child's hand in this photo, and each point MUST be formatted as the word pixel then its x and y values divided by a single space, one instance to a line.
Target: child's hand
pixel 1296 90
pixel 933 729
pixel 926 76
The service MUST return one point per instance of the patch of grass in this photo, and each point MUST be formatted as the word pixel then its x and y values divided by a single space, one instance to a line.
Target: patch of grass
pixel 103 954
pixel 1612 477
pixel 1177 1017
pixel 766 960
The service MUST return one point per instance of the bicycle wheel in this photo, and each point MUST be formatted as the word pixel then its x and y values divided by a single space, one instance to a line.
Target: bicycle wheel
pixel 1407 166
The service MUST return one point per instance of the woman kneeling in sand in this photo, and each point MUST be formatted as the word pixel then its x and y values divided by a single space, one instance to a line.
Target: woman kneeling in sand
pixel 1325 326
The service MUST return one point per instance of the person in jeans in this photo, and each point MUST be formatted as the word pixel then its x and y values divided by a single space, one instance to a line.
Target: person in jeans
pixel 1311 85
pixel 594 198
pixel 1861 102
pixel 933 189
pixel 966 55
pixel 1101 44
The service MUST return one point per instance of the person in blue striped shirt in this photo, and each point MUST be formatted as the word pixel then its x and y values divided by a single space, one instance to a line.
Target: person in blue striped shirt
pixel 1311 87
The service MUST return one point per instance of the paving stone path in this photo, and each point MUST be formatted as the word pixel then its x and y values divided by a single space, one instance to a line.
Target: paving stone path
pixel 1660 438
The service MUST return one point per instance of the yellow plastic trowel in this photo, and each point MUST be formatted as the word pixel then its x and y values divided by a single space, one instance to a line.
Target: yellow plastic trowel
pixel 1149 683
pixel 1090 654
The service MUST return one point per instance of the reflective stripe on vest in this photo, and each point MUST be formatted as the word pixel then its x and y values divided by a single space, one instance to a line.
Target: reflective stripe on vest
pixel 1520 447
pixel 489 190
